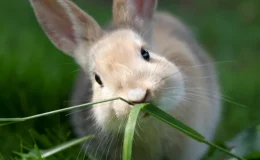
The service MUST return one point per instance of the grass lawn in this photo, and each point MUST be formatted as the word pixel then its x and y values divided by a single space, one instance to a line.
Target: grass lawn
pixel 35 77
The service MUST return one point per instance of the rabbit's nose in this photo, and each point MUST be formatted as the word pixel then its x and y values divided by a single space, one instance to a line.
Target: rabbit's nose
pixel 137 95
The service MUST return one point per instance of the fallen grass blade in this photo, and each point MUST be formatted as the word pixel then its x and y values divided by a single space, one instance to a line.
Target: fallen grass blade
pixel 7 123
pixel 129 132
pixel 64 146
pixel 15 120
pixel 36 153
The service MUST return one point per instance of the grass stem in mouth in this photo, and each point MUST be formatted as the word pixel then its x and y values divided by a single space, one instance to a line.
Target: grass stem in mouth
pixel 15 120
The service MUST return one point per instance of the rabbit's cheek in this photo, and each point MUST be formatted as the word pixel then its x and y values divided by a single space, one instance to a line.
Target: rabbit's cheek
pixel 172 94
pixel 102 113
pixel 107 93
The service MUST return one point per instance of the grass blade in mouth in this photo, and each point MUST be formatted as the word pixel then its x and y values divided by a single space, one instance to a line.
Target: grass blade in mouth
pixel 165 117
pixel 8 121
pixel 129 131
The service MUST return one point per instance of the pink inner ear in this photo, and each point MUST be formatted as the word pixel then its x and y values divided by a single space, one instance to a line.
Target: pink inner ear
pixel 56 24
pixel 145 8
pixel 62 22
pixel 139 6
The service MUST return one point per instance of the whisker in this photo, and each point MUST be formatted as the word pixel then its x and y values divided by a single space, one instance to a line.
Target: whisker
pixel 117 135
pixel 77 70
pixel 191 88
pixel 207 64
pixel 213 97
pixel 221 97
pixel 198 89
pixel 165 78
pixel 151 73
pixel 81 148
pixel 87 148
pixel 186 78
pixel 102 140
pixel 211 92
pixel 109 146
pixel 98 145
pixel 194 90
pixel 139 126
pixel 201 65
pixel 190 99
pixel 107 135
pixel 106 140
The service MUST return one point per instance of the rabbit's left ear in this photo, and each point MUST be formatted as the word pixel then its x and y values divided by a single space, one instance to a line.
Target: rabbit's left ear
pixel 133 12
pixel 65 24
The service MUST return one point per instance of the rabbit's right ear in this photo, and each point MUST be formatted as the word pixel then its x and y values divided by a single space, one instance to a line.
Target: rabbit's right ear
pixel 137 14
pixel 133 12
pixel 65 24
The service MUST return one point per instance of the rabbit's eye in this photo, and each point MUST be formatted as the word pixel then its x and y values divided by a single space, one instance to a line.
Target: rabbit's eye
pixel 145 54
pixel 98 80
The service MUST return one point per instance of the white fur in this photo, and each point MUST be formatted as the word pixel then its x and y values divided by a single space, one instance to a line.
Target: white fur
pixel 136 95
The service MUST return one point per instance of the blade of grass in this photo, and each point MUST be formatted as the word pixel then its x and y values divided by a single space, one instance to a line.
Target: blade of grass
pixel 8 123
pixel 65 146
pixel 38 152
pixel 165 117
pixel 15 120
pixel 129 132
pixel 35 153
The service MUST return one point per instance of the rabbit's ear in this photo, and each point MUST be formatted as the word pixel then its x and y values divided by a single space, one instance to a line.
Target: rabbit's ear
pixel 133 12
pixel 65 24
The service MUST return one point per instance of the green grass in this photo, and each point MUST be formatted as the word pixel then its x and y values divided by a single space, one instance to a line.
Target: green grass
pixel 36 153
pixel 35 77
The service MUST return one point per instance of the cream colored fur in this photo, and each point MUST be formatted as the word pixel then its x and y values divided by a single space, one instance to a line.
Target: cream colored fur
pixel 179 77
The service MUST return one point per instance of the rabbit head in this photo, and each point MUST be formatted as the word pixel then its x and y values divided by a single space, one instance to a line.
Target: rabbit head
pixel 122 62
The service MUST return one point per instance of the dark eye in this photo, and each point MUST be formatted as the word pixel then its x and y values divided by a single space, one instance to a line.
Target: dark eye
pixel 145 54
pixel 98 80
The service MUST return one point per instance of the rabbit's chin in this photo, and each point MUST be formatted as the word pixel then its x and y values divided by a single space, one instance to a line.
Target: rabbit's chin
pixel 111 116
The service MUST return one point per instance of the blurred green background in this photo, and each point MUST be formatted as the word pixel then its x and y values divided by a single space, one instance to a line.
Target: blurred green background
pixel 35 77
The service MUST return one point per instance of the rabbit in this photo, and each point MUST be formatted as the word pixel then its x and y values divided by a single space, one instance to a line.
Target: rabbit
pixel 143 56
